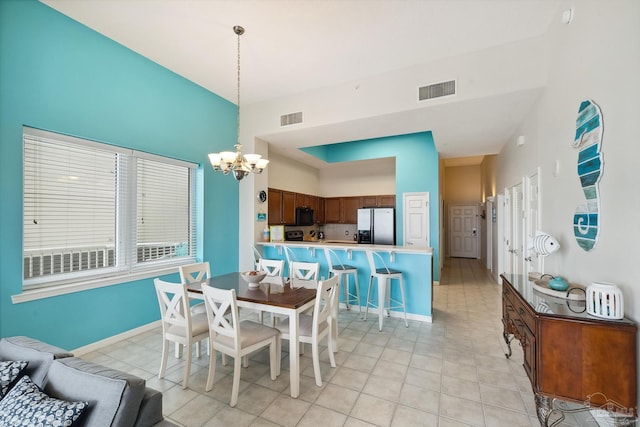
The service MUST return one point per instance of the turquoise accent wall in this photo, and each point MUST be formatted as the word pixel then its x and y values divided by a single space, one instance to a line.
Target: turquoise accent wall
pixel 58 75
pixel 416 171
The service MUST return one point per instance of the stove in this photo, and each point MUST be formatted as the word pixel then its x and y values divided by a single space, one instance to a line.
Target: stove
pixel 294 235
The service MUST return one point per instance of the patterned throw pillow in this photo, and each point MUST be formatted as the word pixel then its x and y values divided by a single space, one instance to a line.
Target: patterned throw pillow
pixel 9 373
pixel 25 405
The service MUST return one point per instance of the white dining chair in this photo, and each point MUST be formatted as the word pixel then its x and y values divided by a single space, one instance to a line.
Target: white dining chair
pixel 337 268
pixel 384 276
pixel 306 271
pixel 235 338
pixel 313 328
pixel 192 273
pixel 179 325
pixel 290 256
pixel 256 256
pixel 273 267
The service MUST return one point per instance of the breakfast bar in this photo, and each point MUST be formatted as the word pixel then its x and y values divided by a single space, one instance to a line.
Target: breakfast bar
pixel 416 265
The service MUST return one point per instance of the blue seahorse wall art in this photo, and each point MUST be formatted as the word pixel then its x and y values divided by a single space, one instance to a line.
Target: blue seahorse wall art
pixel 588 140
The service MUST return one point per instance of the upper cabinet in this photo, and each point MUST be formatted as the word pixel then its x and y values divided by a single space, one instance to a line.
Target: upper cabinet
pixel 282 207
pixel 341 210
pixel 330 210
pixel 384 201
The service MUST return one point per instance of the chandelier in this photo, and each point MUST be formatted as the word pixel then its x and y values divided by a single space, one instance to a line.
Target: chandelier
pixel 240 165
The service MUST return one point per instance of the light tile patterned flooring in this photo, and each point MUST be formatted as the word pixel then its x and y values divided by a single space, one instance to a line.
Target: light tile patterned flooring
pixel 451 372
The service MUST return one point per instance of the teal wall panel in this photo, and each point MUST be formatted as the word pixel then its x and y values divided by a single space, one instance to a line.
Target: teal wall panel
pixel 416 171
pixel 58 75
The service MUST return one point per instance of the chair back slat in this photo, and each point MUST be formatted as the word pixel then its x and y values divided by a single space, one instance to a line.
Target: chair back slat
pixel 273 267
pixel 196 272
pixel 326 298
pixel 219 304
pixel 174 302
pixel 304 270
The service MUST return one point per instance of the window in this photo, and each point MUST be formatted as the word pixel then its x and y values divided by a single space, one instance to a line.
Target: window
pixel 94 211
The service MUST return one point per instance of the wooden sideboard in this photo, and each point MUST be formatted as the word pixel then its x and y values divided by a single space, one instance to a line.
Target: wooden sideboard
pixel 568 354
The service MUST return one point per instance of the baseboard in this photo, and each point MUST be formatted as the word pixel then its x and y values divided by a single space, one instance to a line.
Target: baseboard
pixel 114 339
pixel 373 313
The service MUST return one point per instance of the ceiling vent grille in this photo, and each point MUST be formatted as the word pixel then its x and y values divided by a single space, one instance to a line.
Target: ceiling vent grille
pixel 291 119
pixel 437 90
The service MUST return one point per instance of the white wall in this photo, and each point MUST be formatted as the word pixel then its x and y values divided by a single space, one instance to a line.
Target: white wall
pixel 596 57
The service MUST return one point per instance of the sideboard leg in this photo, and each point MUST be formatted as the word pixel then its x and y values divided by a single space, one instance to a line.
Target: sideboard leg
pixel 508 340
pixel 544 407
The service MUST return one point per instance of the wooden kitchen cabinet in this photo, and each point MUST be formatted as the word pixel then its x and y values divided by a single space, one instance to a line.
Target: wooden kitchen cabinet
pixel 350 206
pixel 282 207
pixel 386 201
pixel 568 354
pixel 318 214
pixel 332 210
pixel 341 210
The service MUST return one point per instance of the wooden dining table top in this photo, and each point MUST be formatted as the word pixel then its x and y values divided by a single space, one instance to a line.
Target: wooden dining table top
pixel 272 290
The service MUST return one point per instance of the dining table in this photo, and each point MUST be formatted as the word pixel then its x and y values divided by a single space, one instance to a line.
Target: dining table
pixel 273 294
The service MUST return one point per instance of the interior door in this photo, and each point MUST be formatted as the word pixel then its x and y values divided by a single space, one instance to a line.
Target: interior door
pixel 517 222
pixel 463 231
pixel 532 221
pixel 415 208
pixel 507 231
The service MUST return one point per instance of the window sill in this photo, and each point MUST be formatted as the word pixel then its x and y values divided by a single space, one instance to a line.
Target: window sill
pixel 53 291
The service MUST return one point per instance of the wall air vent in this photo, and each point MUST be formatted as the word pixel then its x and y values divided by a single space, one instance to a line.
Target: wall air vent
pixel 291 119
pixel 437 90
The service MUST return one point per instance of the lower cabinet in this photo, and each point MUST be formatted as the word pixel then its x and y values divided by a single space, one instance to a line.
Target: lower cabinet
pixel 572 357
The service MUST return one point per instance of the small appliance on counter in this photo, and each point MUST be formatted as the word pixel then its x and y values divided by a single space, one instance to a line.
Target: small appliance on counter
pixel 377 226
pixel 294 235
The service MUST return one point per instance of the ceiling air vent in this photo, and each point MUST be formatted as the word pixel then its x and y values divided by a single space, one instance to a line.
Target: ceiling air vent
pixel 437 90
pixel 291 119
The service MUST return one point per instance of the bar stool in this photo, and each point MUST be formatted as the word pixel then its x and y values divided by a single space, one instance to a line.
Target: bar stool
pixel 384 276
pixel 342 270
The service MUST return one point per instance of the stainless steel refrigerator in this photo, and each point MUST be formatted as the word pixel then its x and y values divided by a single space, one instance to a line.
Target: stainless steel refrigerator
pixel 377 226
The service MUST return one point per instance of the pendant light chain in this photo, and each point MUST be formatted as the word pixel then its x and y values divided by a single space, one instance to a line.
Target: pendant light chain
pixel 237 163
pixel 239 31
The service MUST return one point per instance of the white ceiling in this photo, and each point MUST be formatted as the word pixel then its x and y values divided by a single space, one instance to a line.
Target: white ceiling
pixel 293 47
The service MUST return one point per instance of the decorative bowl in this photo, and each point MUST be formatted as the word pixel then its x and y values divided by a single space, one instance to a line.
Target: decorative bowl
pixel 253 277
pixel 558 284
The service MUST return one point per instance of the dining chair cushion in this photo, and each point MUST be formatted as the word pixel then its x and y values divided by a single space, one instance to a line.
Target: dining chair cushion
pixel 305 325
pixel 199 325
pixel 250 333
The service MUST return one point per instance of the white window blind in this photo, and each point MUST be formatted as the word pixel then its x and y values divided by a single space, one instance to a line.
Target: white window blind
pixel 94 210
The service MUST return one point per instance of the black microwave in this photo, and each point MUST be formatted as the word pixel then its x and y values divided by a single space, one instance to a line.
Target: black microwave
pixel 304 216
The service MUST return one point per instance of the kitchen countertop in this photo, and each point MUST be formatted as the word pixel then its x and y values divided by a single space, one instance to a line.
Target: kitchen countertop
pixel 350 244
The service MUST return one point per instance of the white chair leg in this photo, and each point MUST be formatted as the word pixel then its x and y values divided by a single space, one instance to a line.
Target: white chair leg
pixel 355 281
pixel 404 302
pixel 163 361
pixel 366 308
pixel 212 371
pixel 273 359
pixel 382 293
pixel 331 347
pixel 316 362
pixel 198 349
pixel 279 353
pixel 187 368
pixel 344 284
pixel 245 361
pixel 236 381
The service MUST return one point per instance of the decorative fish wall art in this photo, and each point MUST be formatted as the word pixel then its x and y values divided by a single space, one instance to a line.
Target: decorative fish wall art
pixel 588 140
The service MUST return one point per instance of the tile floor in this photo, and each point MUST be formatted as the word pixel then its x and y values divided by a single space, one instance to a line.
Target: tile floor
pixel 451 372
